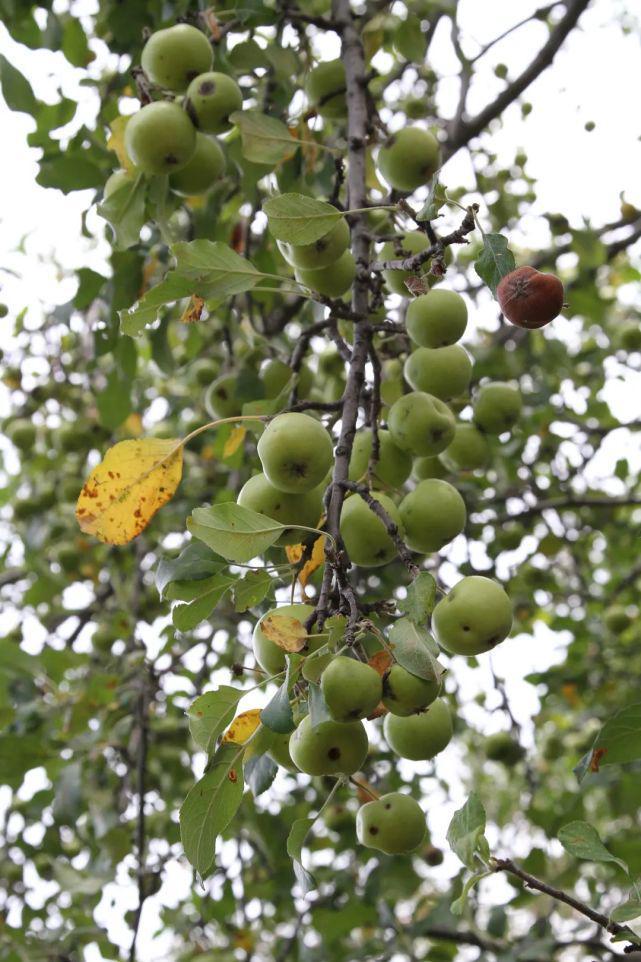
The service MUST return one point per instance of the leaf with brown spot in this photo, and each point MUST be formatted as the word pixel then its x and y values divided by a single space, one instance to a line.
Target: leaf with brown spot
pixel 242 727
pixel 287 633
pixel 294 553
pixel 132 482
pixel 193 311
pixel 381 662
pixel 595 760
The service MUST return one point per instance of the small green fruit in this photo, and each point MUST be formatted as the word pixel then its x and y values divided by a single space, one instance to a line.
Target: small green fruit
pixel 436 319
pixel 332 281
pixel 221 399
pixel 276 375
pixel 473 618
pixel 173 57
pixel 409 158
pixel 413 243
pixel 296 452
pixel 269 656
pixel 365 536
pixel 444 372
pixel 420 737
pixel 323 252
pixel 211 98
pixel 468 449
pixel 351 689
pixel 428 468
pixel 297 509
pixel 617 619
pixel 405 694
pixel 160 138
pixel 497 407
pixel 205 168
pixel 279 751
pixel 394 824
pixel 433 514
pixel 393 466
pixel 421 424
pixel 331 748
pixel 502 747
pixel 325 88
pixel 204 371
pixel 22 434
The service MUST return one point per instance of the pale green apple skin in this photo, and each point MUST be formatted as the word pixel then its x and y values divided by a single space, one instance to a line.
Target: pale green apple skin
pixel 413 242
pixel 474 617
pixel 160 138
pixel 117 180
pixel 172 57
pixel 394 824
pixel 497 407
pixel 279 752
pixel 425 468
pixel 276 375
pixel 405 694
pixel 421 424
pixel 409 158
pixel 433 514
pixel 331 748
pixel 617 619
pixel 503 747
pixel 323 252
pixel 422 736
pixel 211 98
pixel 444 372
pixel 296 452
pixel 468 450
pixel 332 281
pixel 351 689
pixel 393 467
pixel 436 319
pixel 326 83
pixel 269 656
pixel 205 168
pixel 366 539
pixel 221 399
pixel 302 509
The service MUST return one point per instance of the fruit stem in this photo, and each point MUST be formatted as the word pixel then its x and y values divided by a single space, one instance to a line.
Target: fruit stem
pixel 364 788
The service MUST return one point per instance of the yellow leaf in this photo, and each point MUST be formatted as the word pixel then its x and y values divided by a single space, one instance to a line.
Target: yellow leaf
pixel 133 425
pixel 381 662
pixel 243 727
pixel 315 561
pixel 371 175
pixel 193 311
pixel 196 203
pixel 288 633
pixel 116 142
pixel 234 441
pixel 294 553
pixel 122 494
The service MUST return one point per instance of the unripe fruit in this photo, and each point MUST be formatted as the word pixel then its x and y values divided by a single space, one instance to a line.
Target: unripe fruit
pixel 502 747
pixel 436 319
pixel 204 370
pixel 315 664
pixel 394 824
pixel 468 449
pixel 409 158
pixel 473 618
pixel 630 336
pixel 617 619
pixel 173 57
pixel 22 434
pixel 331 748
pixel 204 169
pixel 115 181
pixel 221 399
pixel 269 656
pixel 419 737
pixel 366 539
pixel 433 514
pixel 160 138
pixel 428 468
pixel 421 424
pixel 279 751
pixel 444 372
pixel 211 98
pixel 393 466
pixel 351 689
pixel 332 281
pixel 325 88
pixel 497 407
pixel 530 299
pixel 276 375
pixel 296 452
pixel 405 694
pixel 323 252
pixel 414 242
pixel 302 509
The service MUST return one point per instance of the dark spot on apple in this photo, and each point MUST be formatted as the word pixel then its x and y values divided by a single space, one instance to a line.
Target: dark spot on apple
pixel 334 754
pixel 207 87
pixel 373 830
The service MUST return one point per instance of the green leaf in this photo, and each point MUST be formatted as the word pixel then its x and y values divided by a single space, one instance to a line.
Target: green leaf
pixel 69 171
pixel 495 262
pixel 210 807
pixel 114 402
pixel 466 831
pixel 295 841
pixel 194 563
pixel 627 912
pixel 234 532
pixel 18 755
pixel 214 268
pixel 133 320
pixel 197 599
pixel 421 598
pixel 16 89
pixel 90 283
pixel 210 714
pixel 410 39
pixel 277 715
pixel 413 648
pixel 436 198
pixel 125 211
pixel 582 840
pixel 251 590
pixel 318 710
pixel 298 219
pixel 260 772
pixel 265 140
pixel 618 742
pixel 458 906
pixel 74 43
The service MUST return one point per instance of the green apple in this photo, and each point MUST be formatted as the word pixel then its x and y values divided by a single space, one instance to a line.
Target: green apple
pixel 436 319
pixel 269 656
pixel 205 168
pixel 433 514
pixel 275 375
pixel 204 370
pixel 474 617
pixel 351 689
pixel 160 138
pixel 221 399
pixel 409 158
pixel 365 536
pixel 331 748
pixel 22 434
pixel 296 452
pixel 405 693
pixel 332 281
pixel 173 57
pixel 211 98
pixel 325 88
pixel 617 619
pixel 279 752
pixel 428 468
pixel 421 424
pixel 502 747
pixel 413 243
pixel 420 737
pixel 315 664
pixel 393 823
pixel 303 509
pixel 630 336
pixel 393 466
pixel 468 449
pixel 497 407
pixel 323 252
pixel 444 372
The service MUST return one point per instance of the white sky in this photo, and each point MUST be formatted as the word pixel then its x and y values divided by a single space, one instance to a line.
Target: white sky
pixel 595 78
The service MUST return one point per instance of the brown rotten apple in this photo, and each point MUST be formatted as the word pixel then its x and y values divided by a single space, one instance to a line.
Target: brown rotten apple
pixel 529 298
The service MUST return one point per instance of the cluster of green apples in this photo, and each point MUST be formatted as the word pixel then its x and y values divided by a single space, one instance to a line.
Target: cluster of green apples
pixel 175 136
